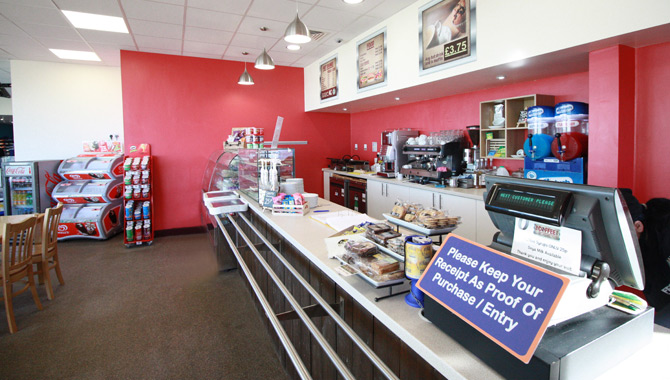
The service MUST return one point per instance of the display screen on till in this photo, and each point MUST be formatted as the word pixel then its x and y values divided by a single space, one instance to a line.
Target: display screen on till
pixel 541 205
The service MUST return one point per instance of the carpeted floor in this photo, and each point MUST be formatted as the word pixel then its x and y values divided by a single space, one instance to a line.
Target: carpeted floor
pixel 157 312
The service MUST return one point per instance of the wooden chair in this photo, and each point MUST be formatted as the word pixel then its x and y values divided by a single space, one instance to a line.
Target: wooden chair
pixel 45 253
pixel 17 249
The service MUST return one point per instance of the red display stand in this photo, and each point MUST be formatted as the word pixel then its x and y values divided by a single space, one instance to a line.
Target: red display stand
pixel 138 196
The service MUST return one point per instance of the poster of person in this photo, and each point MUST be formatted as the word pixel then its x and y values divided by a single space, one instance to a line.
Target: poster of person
pixel 446 33
pixel 372 61
pixel 329 79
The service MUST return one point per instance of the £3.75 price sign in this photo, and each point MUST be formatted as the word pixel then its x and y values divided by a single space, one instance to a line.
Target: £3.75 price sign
pixel 506 299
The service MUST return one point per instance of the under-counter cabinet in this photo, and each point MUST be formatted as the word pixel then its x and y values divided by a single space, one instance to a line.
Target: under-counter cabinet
pixel 382 196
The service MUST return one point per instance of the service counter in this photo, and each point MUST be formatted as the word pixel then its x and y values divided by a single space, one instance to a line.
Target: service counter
pixel 409 345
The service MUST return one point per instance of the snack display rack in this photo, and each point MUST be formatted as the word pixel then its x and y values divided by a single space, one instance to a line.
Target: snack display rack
pixel 138 198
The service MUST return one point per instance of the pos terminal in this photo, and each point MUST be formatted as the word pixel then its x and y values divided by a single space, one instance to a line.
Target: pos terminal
pixel 585 337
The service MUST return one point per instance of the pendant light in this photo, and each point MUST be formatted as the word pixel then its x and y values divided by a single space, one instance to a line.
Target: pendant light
pixel 264 61
pixel 245 78
pixel 297 32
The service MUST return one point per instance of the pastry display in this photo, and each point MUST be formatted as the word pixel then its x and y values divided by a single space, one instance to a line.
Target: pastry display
pixel 360 248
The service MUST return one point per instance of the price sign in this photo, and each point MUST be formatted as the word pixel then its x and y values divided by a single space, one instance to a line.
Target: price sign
pixel 446 32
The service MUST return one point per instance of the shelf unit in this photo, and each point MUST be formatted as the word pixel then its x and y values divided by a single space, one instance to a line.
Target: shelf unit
pixel 513 133
pixel 130 240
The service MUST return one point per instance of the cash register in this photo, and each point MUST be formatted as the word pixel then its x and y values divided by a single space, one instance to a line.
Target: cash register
pixel 585 336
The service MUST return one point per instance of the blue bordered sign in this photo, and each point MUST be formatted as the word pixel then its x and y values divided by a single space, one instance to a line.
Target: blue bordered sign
pixel 507 299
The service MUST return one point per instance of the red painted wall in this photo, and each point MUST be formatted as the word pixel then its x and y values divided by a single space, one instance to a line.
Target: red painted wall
pixel 457 112
pixel 185 108
pixel 652 134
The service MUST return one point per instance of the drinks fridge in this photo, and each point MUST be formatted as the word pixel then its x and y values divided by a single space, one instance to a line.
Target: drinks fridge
pixel 28 185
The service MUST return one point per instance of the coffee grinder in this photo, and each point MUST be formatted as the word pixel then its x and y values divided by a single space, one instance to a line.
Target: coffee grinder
pixel 471 155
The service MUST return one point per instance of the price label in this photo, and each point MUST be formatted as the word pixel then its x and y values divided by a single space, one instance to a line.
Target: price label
pixel 456 49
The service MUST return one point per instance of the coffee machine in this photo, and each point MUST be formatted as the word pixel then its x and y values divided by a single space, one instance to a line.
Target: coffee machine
pixel 433 163
pixel 390 151
pixel 472 155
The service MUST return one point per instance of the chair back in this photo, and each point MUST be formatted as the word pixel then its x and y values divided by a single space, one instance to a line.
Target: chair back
pixel 17 246
pixel 50 230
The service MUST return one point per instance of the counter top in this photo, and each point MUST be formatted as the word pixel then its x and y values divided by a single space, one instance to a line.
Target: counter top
pixel 477 194
pixel 442 352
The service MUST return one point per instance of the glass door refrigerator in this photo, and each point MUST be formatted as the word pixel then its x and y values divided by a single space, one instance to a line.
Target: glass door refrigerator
pixel 28 185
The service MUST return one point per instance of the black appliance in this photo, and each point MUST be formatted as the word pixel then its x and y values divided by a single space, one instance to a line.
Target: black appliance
pixel 434 162
pixel 349 192
pixel 348 163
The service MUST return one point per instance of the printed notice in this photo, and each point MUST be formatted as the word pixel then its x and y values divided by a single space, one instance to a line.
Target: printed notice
pixel 329 79
pixel 371 69
pixel 506 299
pixel 557 247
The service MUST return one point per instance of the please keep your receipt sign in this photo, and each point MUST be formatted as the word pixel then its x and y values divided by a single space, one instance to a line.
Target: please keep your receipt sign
pixel 506 299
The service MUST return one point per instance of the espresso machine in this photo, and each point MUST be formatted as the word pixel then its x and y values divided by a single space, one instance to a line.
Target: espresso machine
pixel 391 154
pixel 433 163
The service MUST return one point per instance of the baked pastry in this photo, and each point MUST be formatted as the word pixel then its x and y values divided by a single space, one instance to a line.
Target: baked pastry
pixel 378 228
pixel 360 248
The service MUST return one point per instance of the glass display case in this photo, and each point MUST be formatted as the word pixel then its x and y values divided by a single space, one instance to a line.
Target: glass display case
pixel 220 174
pixel 261 169
pixel 221 171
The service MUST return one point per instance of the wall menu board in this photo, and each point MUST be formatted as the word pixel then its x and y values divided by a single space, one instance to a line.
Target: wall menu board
pixel 372 61
pixel 329 79
pixel 446 33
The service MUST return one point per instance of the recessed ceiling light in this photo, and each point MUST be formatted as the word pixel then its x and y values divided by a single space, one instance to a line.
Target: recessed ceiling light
pixel 293 47
pixel 353 1
pixel 397 98
pixel 500 77
pixel 344 109
pixel 96 22
pixel 75 54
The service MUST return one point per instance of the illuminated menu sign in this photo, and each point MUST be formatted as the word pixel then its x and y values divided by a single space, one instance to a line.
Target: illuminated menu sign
pixel 329 79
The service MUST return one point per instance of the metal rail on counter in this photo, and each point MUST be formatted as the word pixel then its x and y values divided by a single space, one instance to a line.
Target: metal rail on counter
pixel 274 321
pixel 332 355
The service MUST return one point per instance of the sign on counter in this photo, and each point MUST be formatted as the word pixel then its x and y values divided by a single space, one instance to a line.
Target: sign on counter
pixel 506 299
pixel 557 247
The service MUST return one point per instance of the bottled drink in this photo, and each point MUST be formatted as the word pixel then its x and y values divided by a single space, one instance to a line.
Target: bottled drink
pixel 29 199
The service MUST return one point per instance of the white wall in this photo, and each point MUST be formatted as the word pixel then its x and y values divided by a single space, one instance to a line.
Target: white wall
pixel 507 31
pixel 57 106
pixel 5 106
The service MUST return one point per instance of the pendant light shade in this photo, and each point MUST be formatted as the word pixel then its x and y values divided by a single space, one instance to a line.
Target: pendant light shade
pixel 245 78
pixel 297 32
pixel 264 61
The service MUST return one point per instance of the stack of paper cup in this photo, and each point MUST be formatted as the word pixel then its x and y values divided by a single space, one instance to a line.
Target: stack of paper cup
pixel 311 199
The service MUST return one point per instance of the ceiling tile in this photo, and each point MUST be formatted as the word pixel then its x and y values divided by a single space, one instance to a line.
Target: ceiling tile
pixel 32 3
pixel 326 18
pixel 252 25
pixel 212 20
pixel 8 27
pixel 54 43
pixel 361 25
pixel 207 35
pixel 155 29
pixel 235 53
pixel 40 30
pixel 153 11
pixel 202 47
pixel 173 2
pixel 147 42
pixel 258 42
pixel 388 8
pixel 238 7
pixel 97 36
pixel 101 7
pixel 279 10
pixel 20 14
pixel 360 8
